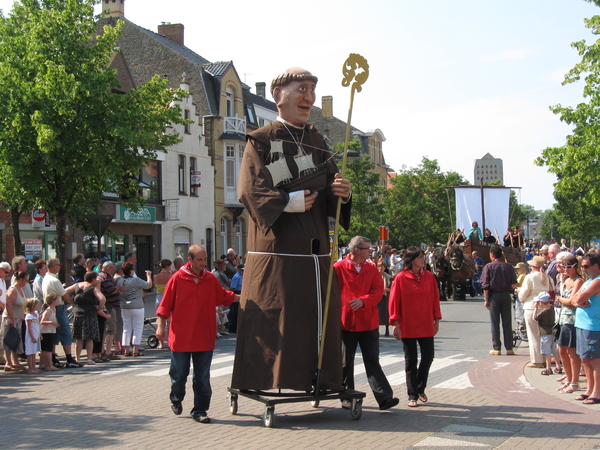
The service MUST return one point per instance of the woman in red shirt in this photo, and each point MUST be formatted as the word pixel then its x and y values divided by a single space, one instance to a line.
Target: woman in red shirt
pixel 414 307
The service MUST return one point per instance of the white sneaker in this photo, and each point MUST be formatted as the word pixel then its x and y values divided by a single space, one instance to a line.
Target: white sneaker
pixel 219 335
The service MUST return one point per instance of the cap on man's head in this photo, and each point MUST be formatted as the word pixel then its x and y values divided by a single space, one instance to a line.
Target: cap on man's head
pixel 543 297
pixel 5 266
pixel 292 74
pixel 520 265
pixel 240 267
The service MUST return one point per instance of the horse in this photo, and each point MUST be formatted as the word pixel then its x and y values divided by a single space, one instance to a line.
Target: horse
pixel 440 270
pixel 456 271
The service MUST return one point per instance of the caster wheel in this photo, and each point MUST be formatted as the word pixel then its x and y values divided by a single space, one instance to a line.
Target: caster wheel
pixel 233 404
pixel 356 409
pixel 314 403
pixel 152 341
pixel 268 416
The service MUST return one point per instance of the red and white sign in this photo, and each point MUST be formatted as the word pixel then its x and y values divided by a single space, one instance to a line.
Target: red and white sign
pixel 38 217
pixel 33 247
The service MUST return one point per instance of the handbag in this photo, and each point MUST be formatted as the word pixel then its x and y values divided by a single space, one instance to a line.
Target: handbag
pixel 555 330
pixel 551 292
pixel 12 339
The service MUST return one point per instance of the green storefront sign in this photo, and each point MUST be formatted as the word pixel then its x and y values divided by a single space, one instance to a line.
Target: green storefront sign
pixel 146 214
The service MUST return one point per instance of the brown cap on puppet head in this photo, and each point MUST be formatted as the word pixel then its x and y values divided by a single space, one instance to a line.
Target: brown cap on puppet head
pixel 294 94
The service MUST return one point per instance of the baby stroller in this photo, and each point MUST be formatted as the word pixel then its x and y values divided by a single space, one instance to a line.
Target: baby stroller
pixel 520 332
pixel 149 326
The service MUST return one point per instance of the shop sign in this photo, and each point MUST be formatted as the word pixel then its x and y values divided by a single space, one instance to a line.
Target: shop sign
pixel 146 214
pixel 33 247
pixel 38 217
pixel 196 179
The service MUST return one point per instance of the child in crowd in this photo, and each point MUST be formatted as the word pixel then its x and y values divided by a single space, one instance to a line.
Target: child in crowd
pixel 544 314
pixel 32 306
pixel 221 320
pixel 521 269
pixel 48 329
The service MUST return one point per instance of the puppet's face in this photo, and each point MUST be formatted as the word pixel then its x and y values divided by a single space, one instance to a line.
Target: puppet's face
pixel 295 100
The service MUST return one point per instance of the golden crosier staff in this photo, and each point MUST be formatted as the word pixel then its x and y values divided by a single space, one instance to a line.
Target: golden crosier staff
pixel 351 65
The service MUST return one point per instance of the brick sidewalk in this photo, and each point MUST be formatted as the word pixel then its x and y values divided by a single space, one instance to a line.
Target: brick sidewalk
pixel 78 409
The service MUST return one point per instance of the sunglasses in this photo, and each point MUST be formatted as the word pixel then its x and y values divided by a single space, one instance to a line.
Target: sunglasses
pixel 585 266
pixel 567 267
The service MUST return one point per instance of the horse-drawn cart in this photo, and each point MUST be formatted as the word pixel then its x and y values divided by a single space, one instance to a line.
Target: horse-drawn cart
pixel 511 255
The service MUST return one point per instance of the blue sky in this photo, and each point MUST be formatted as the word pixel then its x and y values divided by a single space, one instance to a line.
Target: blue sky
pixel 449 80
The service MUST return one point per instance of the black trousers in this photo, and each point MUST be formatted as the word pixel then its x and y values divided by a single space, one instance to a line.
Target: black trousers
pixel 416 377
pixel 369 346
pixel 501 308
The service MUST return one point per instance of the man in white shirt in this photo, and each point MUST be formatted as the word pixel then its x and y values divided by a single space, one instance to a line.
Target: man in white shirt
pixel 51 284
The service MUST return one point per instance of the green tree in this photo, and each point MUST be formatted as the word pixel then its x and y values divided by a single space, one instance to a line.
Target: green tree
pixel 67 133
pixel 574 219
pixel 518 212
pixel 366 196
pixel 576 163
pixel 550 225
pixel 416 207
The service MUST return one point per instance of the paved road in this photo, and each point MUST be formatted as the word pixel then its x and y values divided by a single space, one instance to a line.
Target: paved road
pixel 476 402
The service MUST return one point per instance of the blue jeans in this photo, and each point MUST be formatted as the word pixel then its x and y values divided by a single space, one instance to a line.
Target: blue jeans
pixel 63 332
pixel 179 371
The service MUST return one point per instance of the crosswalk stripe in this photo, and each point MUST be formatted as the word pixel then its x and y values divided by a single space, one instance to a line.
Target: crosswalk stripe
pixel 222 366
pixel 461 381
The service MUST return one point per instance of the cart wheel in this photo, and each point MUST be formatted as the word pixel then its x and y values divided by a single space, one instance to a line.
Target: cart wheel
pixel 152 341
pixel 233 404
pixel 356 410
pixel 268 416
pixel 515 339
pixel 314 403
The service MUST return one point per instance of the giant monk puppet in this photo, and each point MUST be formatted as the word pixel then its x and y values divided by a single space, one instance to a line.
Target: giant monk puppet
pixel 290 185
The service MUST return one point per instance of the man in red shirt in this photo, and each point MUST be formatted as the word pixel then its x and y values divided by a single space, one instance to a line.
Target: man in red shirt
pixel 189 300
pixel 361 288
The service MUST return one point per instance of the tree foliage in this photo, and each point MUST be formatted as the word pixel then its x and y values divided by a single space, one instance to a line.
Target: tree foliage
pixel 419 208
pixel 576 163
pixel 518 212
pixel 366 196
pixel 550 225
pixel 67 135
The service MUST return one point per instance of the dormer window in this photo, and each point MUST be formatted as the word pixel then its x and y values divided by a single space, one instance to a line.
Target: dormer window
pixel 230 105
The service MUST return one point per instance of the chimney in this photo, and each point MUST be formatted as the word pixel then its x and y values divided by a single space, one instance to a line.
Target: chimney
pixel 261 88
pixel 173 32
pixel 113 8
pixel 327 106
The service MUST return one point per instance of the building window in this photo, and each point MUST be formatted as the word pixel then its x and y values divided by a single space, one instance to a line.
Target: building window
pixel 181 241
pixel 193 189
pixel 223 236
pixel 230 172
pixel 230 104
pixel 149 181
pixel 230 166
pixel 186 116
pixel 182 174
pixel 250 114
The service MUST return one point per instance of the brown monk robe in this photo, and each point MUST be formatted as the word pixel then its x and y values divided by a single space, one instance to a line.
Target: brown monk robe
pixel 286 272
